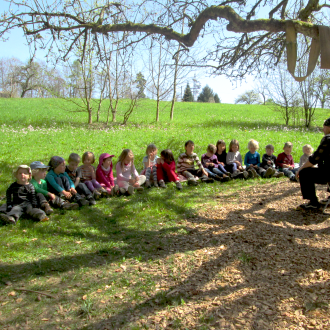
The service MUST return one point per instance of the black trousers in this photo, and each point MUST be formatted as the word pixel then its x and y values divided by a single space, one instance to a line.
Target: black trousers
pixel 65 184
pixel 83 190
pixel 308 177
pixel 43 199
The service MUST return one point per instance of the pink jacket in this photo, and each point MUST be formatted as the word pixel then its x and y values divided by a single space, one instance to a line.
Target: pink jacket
pixel 105 177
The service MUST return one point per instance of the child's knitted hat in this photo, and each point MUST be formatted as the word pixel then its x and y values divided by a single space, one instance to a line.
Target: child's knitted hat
pixel 55 161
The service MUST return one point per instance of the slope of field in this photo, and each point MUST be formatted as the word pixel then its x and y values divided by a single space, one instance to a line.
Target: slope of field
pixel 237 255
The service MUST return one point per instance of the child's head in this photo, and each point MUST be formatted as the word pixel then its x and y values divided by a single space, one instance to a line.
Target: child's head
pixel 287 148
pixel 269 149
pixel 307 149
pixel 88 158
pixel 211 148
pixel 221 146
pixel 126 157
pixel 73 161
pixel 167 155
pixel 151 148
pixel 106 160
pixel 253 145
pixel 57 164
pixel 39 170
pixel 189 146
pixel 233 145
pixel 22 174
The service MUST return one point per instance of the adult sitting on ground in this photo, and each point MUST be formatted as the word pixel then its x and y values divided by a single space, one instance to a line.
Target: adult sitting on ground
pixel 309 175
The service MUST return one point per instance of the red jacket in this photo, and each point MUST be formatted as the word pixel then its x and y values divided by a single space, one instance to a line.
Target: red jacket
pixel 283 158
pixel 105 177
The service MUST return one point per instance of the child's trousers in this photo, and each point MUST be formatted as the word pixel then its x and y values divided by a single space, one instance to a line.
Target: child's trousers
pixel 65 184
pixel 153 170
pixel 288 173
pixel 125 184
pixel 191 173
pixel 92 185
pixel 42 199
pixel 26 207
pixel 83 190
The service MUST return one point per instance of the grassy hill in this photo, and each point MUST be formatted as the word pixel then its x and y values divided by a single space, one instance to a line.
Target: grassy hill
pixel 150 258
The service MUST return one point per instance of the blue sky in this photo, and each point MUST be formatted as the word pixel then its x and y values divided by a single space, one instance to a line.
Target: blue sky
pixel 16 47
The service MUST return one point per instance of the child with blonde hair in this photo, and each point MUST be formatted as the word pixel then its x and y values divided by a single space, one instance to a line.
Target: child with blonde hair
pixel 307 151
pixel 88 175
pixel 128 178
pixel 252 161
pixel 21 198
pixel 150 165
pixel 234 158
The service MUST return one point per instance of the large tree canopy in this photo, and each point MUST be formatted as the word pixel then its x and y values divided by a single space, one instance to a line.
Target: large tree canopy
pixel 248 35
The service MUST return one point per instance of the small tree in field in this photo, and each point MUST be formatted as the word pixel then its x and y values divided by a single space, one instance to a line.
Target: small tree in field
pixel 206 95
pixel 187 96
pixel 249 97
pixel 217 98
pixel 140 84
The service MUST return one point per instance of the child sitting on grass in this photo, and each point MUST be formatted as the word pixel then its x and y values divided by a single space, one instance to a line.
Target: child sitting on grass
pixel 166 169
pixel 149 164
pixel 186 165
pixel 88 175
pixel 75 175
pixel 128 178
pixel 43 195
pixel 307 150
pixel 59 182
pixel 104 174
pixel 212 166
pixel 234 158
pixel 252 161
pixel 268 161
pixel 21 198
pixel 284 162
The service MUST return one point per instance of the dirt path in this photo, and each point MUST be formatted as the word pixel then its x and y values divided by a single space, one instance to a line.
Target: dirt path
pixel 255 262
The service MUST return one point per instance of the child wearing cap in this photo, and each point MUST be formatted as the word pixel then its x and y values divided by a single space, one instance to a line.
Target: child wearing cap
pixel 21 198
pixel 59 183
pixel 43 195
pixel 104 174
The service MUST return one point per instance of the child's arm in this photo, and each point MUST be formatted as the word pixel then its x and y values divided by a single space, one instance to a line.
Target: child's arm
pixel 33 197
pixel 93 172
pixel 247 160
pixel 120 175
pixel 9 201
pixel 38 189
pixel 101 178
pixel 51 180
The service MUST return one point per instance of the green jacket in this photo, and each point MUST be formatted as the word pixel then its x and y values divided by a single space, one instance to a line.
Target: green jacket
pixel 40 188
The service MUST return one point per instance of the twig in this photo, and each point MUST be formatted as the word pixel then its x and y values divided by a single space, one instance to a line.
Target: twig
pixel 45 294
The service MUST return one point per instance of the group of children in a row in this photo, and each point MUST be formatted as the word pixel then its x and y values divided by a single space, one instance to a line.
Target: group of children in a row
pixel 69 186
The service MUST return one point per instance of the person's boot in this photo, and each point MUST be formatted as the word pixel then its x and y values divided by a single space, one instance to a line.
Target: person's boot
pixel 46 207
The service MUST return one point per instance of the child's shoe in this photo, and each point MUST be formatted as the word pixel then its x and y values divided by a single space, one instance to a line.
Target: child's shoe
pixel 245 174
pixel 115 190
pixel 103 192
pixel 162 184
pixel 268 173
pixel 69 206
pixel 178 185
pixel 156 184
pixel 206 179
pixel 254 172
pixel 217 178
pixel 225 178
pixel 278 174
pixel 91 200
pixel 130 190
pixel 96 194
pixel 46 207
pixel 122 191
pixel 7 219
pixel 139 189
pixel 82 202
pixel 293 179
pixel 148 184
pixel 44 219
pixel 192 182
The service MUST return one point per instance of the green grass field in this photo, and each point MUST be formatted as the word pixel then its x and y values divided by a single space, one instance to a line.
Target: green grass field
pixel 82 256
